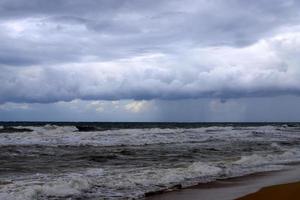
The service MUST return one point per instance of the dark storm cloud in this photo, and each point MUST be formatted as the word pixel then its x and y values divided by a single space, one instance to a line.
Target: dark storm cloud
pixel 134 49
pixel 126 26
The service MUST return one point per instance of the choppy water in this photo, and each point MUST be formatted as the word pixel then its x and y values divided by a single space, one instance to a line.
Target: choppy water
pixel 117 161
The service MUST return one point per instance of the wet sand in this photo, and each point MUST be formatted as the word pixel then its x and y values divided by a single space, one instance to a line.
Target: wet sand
pixel 240 187
pixel 289 191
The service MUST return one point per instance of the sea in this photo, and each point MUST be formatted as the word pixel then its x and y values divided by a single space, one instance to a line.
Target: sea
pixel 95 161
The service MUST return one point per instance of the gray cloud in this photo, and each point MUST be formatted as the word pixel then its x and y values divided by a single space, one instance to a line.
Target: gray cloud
pixel 131 49
pixel 68 30
pixel 283 108
pixel 224 72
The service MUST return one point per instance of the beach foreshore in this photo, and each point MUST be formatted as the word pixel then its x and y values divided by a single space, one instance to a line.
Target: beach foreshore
pixel 289 191
pixel 242 188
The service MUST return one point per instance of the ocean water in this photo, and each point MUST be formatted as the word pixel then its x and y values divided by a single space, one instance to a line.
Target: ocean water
pixel 131 160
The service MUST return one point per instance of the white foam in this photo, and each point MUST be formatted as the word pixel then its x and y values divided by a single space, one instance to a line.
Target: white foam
pixel 135 182
pixel 68 185
pixel 261 163
pixel 67 135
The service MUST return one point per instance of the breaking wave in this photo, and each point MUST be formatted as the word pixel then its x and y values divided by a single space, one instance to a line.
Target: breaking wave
pixel 60 162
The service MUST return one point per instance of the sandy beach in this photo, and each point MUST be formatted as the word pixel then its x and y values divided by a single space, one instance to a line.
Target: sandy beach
pixel 290 191
pixel 272 185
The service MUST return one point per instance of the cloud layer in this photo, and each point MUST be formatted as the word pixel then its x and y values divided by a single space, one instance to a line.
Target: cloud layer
pixel 110 50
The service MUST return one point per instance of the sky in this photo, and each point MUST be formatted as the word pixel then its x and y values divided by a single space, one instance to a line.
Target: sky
pixel 150 60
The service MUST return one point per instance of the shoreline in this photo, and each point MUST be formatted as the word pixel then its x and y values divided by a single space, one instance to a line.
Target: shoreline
pixel 232 188
pixel 290 191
